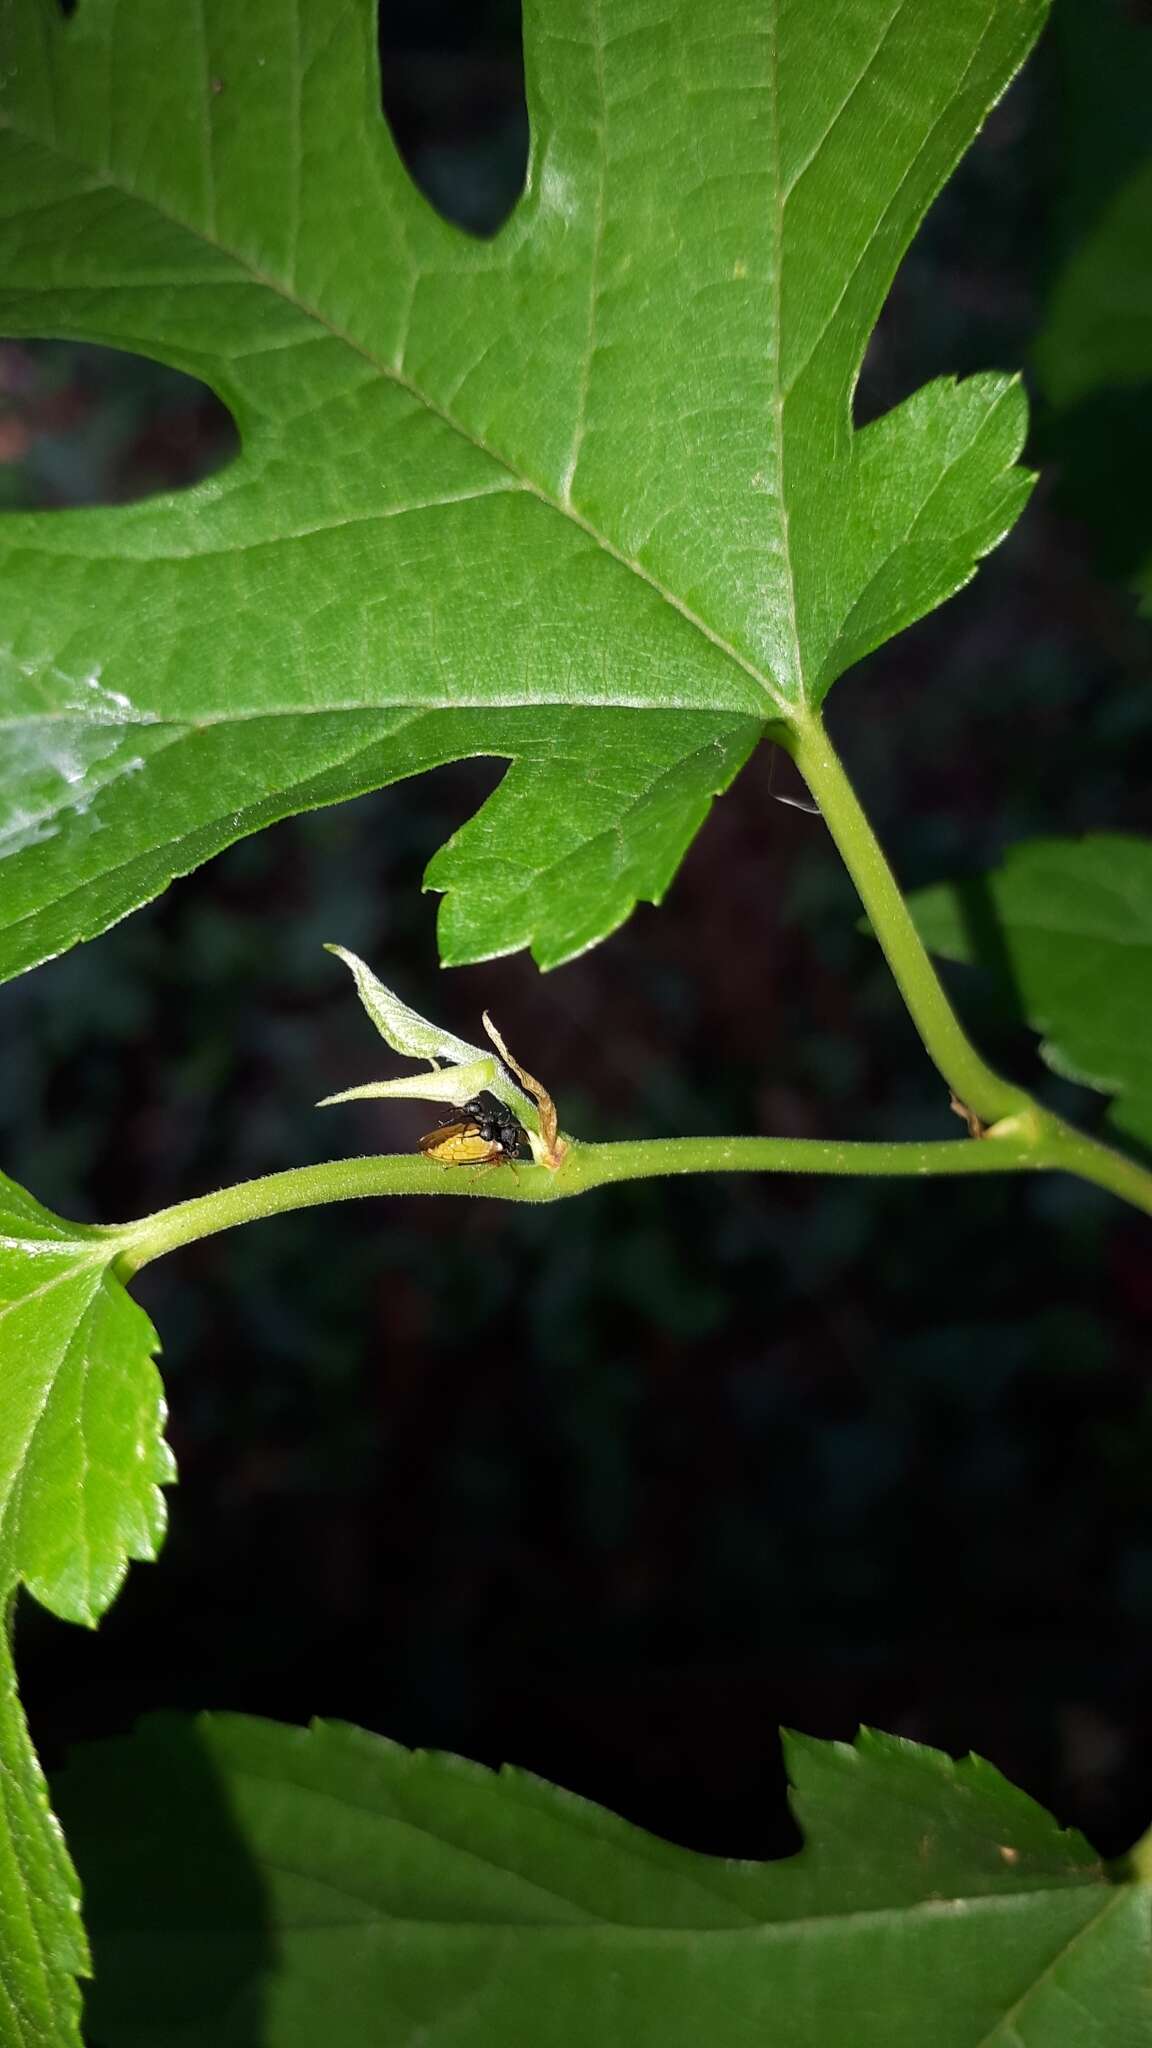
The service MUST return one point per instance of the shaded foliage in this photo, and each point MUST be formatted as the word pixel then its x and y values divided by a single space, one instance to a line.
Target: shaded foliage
pixel 606 1490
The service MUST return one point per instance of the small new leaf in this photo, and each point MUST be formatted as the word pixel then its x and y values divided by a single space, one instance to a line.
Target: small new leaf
pixel 471 1069
pixel 457 1085
pixel 401 1027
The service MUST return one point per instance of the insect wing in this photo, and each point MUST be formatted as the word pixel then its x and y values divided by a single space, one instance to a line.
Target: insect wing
pixel 460 1144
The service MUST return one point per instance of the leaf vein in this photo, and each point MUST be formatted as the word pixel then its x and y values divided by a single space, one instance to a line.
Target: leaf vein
pixel 1092 1926
pixel 584 388
pixel 929 137
pixel 255 275
pixel 845 103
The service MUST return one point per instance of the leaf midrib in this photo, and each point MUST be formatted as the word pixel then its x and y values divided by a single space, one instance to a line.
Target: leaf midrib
pixel 88 1260
pixel 1091 1926
pixel 778 392
pixel 747 1924
pixel 112 182
pixel 34 1947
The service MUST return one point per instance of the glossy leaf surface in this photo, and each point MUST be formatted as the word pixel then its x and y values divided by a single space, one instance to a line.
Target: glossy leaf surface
pixel 1065 926
pixel 334 1887
pixel 82 1462
pixel 586 496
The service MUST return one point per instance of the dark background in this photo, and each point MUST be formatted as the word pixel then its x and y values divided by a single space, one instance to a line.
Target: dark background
pixel 612 1491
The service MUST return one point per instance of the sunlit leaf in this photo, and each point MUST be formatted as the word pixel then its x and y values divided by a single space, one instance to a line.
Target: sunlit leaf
pixel 82 1461
pixel 586 496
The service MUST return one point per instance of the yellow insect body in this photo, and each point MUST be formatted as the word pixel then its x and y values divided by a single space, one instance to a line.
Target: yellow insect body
pixel 462 1144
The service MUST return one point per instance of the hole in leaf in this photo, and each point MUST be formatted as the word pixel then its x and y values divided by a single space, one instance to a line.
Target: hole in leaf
pixel 452 89
pixel 82 425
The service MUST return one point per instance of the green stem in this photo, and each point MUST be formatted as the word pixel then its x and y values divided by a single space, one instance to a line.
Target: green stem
pixel 1061 1146
pixel 585 1167
pixel 1022 1136
pixel 972 1081
pixel 977 1087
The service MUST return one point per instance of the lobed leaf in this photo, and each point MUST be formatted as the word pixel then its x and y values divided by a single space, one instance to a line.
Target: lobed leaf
pixel 332 1886
pixel 586 496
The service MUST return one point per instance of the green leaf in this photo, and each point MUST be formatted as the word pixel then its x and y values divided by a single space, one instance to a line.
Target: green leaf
pixel 414 1037
pixel 42 1944
pixel 1098 325
pixel 333 1887
pixel 1065 927
pixel 586 496
pixel 472 1070
pixel 456 1085
pixel 1094 351
pixel 82 1461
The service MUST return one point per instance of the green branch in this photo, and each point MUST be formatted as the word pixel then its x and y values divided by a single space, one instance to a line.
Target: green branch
pixel 1007 1150
pixel 1018 1134
pixel 976 1087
